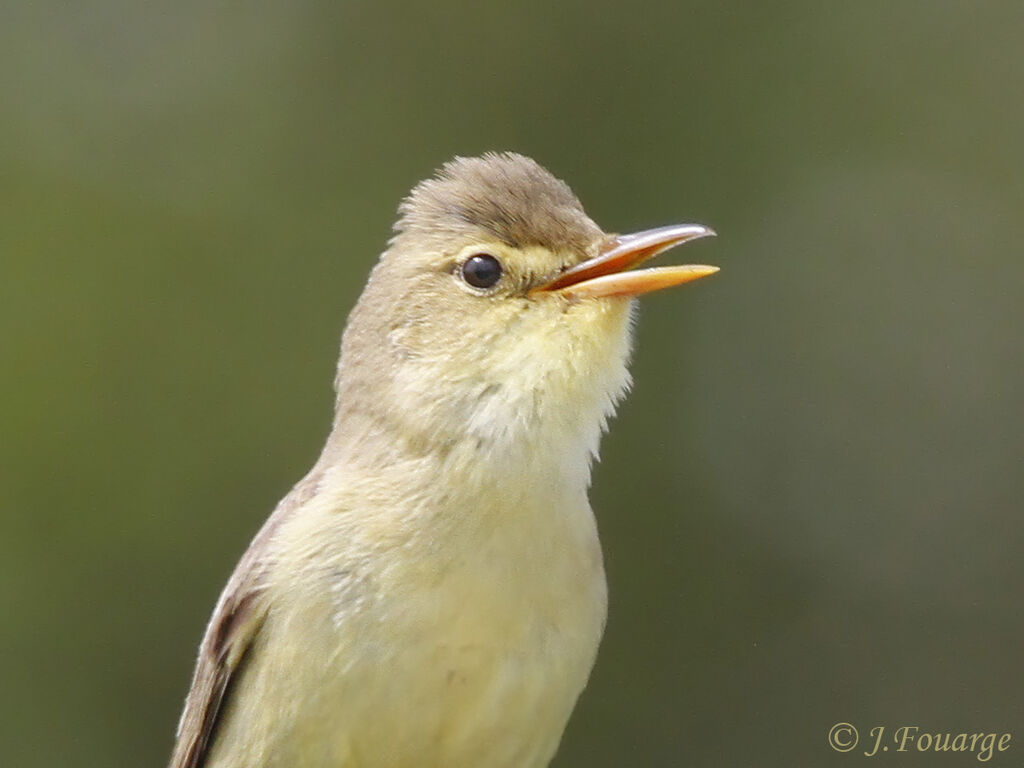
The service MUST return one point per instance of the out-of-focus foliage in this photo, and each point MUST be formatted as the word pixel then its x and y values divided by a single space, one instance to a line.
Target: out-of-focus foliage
pixel 811 505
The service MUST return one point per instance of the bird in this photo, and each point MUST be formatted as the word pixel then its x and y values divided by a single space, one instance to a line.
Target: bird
pixel 432 593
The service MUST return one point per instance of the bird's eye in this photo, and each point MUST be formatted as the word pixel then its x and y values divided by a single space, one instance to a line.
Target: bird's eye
pixel 481 270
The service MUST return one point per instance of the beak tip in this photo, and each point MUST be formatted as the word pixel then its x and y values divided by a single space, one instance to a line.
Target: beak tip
pixel 703 270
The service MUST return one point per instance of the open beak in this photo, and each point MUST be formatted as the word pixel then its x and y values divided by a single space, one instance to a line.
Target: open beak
pixel 609 274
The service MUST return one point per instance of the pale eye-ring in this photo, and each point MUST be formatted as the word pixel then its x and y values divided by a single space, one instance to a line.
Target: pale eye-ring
pixel 482 270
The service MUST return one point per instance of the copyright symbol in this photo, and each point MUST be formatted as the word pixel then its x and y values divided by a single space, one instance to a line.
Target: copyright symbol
pixel 842 737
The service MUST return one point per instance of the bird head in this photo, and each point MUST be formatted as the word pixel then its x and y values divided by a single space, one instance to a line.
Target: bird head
pixel 499 314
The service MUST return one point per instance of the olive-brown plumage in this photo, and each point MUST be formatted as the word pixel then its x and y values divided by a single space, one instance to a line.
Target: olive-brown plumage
pixel 432 593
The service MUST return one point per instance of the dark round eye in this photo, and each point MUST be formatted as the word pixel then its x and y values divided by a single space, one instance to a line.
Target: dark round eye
pixel 481 270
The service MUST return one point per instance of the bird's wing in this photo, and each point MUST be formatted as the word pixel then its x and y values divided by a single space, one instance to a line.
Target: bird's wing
pixel 236 623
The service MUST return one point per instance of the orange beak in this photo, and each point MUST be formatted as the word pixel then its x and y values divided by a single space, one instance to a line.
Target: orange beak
pixel 606 274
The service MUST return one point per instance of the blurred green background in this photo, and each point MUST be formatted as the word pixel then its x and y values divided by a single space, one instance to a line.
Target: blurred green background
pixel 811 503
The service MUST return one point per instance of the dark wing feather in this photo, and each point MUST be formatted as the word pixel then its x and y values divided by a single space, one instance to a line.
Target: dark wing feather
pixel 232 631
pixel 234 626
